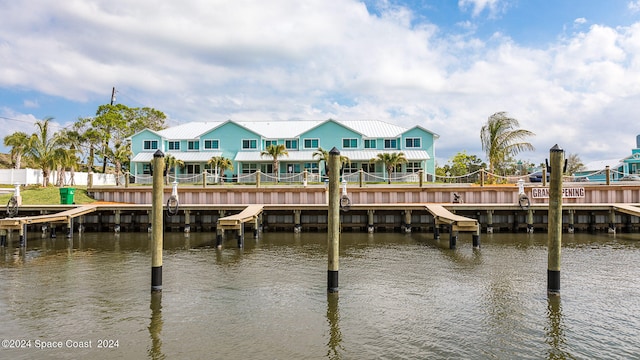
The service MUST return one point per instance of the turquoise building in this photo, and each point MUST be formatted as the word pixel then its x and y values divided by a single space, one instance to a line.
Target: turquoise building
pixel 619 168
pixel 242 142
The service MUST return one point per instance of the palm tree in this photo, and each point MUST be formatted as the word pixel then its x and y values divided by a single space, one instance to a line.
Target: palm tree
pixel 221 164
pixel 390 161
pixel 19 142
pixel 43 149
pixel 121 155
pixel 323 155
pixel 275 151
pixel 501 138
pixel 172 162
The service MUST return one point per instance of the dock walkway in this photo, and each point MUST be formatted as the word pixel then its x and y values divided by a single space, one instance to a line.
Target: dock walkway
pixel 60 217
pixel 234 222
pixel 446 217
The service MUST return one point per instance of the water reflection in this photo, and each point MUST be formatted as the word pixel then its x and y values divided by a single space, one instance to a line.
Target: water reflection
pixel 155 327
pixel 555 337
pixel 335 335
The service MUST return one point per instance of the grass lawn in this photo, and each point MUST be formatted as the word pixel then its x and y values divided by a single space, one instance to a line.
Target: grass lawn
pixel 38 195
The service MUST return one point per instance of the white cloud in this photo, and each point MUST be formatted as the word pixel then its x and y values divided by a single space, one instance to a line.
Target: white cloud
pixel 634 6
pixel 248 60
pixel 478 6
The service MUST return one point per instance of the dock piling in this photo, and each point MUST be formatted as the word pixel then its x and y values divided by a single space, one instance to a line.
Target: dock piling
pixel 333 221
pixel 157 223
pixel 556 159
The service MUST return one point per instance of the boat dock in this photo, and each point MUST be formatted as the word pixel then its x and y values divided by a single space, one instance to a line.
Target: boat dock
pixel 401 217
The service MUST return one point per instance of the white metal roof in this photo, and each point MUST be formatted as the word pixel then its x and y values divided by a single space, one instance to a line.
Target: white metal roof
pixel 279 129
pixel 373 128
pixel 284 129
pixel 189 130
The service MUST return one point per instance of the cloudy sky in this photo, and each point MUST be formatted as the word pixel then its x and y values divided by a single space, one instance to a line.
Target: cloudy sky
pixel 568 70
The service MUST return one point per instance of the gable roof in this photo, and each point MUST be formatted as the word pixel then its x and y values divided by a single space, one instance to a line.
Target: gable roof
pixel 287 129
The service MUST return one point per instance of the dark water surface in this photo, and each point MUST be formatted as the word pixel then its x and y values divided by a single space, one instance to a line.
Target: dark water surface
pixel 401 297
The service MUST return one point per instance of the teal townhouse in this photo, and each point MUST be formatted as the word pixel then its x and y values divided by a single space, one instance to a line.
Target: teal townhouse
pixel 620 169
pixel 242 142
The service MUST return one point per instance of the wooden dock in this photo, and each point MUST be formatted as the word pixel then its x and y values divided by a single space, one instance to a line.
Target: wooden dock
pixel 60 217
pixel 234 222
pixel 627 209
pixel 442 216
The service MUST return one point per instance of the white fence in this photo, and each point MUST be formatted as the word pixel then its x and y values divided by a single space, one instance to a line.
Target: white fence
pixel 34 176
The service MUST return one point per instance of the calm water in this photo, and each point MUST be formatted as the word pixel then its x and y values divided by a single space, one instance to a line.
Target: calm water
pixel 401 297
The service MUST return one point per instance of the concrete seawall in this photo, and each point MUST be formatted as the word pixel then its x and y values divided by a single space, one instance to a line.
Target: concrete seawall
pixel 369 194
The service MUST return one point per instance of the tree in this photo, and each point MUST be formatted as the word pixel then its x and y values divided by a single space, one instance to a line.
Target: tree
pixel 275 152
pixel 323 156
pixel 221 164
pixel 115 123
pixel 69 141
pixel 89 140
pixel 574 164
pixel 172 162
pixel 44 149
pixel 501 138
pixel 19 142
pixel 121 156
pixel 390 161
pixel 462 164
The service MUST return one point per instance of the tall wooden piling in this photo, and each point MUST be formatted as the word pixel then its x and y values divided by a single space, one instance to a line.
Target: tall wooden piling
pixel 156 223
pixel 556 159
pixel 333 221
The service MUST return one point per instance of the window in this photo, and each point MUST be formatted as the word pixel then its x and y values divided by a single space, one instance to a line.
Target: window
pixel 268 143
pixel 249 144
pixel 311 167
pixel 249 168
pixel 150 144
pixel 349 143
pixel 311 143
pixel 390 144
pixel 369 144
pixel 212 144
pixel 174 145
pixel 369 167
pixel 350 168
pixel 413 167
pixel 193 169
pixel 291 144
pixel 146 169
pixel 193 145
pixel 412 142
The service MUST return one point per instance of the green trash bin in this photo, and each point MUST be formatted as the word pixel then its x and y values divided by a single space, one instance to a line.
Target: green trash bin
pixel 66 195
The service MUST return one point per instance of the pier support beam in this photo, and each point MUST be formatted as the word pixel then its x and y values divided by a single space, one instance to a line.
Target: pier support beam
pixel 407 221
pixel 116 227
pixel 157 226
pixel 370 225
pixel 475 239
pixel 333 238
pixel 556 159
pixel 3 237
pixel 219 234
pixel 489 221
pixel 241 236
pixel 23 236
pixel 297 227
pixel 571 228
pixel 70 228
pixel 612 222
pixel 453 238
pixel 530 221
pixel 187 221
